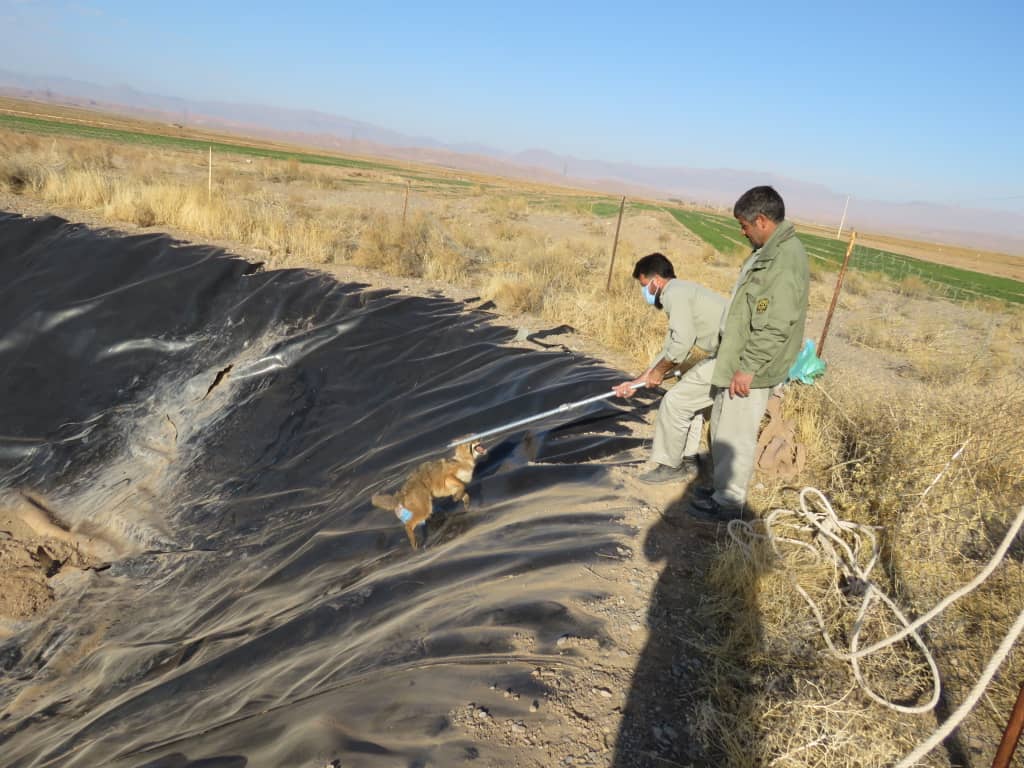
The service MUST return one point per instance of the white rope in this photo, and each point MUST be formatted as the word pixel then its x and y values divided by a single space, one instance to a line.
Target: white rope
pixel 975 695
pixel 952 458
pixel 820 520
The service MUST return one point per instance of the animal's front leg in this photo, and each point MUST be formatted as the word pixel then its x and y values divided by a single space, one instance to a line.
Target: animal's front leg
pixel 458 492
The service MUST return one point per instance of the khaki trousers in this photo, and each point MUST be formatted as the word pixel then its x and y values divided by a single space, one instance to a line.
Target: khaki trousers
pixel 734 426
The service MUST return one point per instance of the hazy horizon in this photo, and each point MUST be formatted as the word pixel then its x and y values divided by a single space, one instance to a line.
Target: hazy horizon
pixel 877 104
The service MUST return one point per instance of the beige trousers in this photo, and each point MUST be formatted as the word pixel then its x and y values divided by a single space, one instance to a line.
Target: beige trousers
pixel 734 426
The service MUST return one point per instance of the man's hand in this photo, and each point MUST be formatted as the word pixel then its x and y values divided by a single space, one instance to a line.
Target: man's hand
pixel 740 384
pixel 629 388
pixel 652 377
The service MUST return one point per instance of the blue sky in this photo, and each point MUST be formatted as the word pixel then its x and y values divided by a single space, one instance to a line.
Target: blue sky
pixel 888 100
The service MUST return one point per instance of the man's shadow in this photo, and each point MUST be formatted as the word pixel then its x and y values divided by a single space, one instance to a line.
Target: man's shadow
pixel 685 688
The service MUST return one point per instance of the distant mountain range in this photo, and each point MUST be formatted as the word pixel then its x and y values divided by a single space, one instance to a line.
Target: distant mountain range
pixel 806 201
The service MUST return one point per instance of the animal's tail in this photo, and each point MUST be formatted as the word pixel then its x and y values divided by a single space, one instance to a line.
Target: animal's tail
pixel 384 501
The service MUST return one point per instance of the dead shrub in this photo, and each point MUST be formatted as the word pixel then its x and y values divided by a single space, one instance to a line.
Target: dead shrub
pixel 515 293
pixel 503 207
pixel 447 261
pixel 506 230
pixel 127 204
pixel 390 247
pixel 885 331
pixel 18 176
pixel 915 287
pixel 858 283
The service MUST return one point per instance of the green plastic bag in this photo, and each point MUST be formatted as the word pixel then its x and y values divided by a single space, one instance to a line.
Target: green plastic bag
pixel 807 366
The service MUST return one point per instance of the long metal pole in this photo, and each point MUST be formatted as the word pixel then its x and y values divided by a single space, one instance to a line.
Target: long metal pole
pixel 554 411
pixel 615 245
pixel 835 293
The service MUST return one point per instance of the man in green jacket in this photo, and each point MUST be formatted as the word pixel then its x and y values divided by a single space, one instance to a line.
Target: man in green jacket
pixel 762 331
pixel 694 317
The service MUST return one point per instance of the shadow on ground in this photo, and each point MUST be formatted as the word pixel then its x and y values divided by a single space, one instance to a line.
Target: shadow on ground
pixel 676 707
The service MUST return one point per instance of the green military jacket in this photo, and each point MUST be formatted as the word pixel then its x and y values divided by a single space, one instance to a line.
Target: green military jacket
pixel 763 328
pixel 694 314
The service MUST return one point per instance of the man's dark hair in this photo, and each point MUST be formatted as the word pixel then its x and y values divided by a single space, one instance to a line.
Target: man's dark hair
pixel 654 264
pixel 764 200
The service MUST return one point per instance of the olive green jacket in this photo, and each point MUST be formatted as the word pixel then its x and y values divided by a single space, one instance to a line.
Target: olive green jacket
pixel 763 328
pixel 694 314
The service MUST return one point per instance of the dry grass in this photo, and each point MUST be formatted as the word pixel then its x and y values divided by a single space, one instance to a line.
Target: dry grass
pixel 887 330
pixel 865 283
pixel 391 245
pixel 914 286
pixel 877 434
pixel 708 254
pixel 506 207
pixel 127 188
pixel 876 451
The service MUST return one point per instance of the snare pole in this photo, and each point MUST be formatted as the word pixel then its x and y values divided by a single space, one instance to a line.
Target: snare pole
pixel 537 417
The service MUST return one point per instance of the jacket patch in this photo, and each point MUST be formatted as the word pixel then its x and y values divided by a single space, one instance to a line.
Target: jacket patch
pixel 762 306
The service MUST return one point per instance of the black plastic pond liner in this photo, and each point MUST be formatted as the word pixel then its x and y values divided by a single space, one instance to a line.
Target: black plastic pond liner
pixel 227 426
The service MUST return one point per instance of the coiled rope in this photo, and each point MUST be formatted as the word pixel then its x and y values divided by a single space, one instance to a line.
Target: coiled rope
pixel 828 541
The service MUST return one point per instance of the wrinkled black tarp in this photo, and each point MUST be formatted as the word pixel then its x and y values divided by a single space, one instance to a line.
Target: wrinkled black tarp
pixel 234 423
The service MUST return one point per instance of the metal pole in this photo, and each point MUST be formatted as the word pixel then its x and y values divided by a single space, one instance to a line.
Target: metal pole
pixel 209 180
pixel 1012 734
pixel 835 293
pixel 405 205
pixel 554 411
pixel 615 245
pixel 842 221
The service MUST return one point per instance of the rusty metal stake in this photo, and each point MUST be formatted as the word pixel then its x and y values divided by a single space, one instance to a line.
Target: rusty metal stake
pixel 615 244
pixel 405 205
pixel 1012 734
pixel 835 294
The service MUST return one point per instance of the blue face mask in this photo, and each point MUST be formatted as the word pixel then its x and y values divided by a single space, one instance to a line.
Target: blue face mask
pixel 649 297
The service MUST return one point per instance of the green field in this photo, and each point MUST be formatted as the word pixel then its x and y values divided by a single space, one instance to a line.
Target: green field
pixel 604 209
pixel 723 233
pixel 57 127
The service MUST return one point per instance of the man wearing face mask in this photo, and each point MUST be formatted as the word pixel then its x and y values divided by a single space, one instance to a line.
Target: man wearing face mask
pixel 694 313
